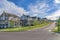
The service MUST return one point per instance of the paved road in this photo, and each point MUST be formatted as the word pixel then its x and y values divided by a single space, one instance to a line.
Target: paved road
pixel 37 34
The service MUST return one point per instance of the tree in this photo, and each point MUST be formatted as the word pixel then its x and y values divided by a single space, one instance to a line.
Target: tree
pixel 36 22
pixel 11 23
pixel 58 24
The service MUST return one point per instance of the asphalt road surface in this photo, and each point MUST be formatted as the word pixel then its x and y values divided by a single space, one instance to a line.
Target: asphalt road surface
pixel 37 34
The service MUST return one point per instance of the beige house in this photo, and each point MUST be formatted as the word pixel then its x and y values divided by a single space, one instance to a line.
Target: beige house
pixel 9 20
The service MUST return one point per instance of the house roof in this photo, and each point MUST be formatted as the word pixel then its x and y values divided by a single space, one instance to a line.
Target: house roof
pixel 9 14
pixel 24 17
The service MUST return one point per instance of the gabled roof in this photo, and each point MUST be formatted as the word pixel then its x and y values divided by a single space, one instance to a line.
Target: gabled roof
pixel 24 17
pixel 9 14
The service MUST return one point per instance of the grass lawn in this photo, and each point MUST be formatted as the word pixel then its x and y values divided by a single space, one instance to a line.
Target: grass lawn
pixel 56 30
pixel 19 29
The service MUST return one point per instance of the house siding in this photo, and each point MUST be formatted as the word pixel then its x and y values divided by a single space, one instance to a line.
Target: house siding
pixel 5 20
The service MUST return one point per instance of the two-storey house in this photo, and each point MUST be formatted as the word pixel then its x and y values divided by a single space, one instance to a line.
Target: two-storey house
pixel 9 20
pixel 25 20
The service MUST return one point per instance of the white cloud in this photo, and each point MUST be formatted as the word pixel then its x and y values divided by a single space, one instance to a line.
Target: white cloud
pixel 54 15
pixel 10 7
pixel 39 8
pixel 57 1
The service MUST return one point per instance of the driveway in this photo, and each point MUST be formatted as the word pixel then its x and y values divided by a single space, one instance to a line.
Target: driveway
pixel 37 34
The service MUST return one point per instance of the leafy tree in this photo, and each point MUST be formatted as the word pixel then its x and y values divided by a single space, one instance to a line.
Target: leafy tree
pixel 11 23
pixel 58 24
pixel 36 22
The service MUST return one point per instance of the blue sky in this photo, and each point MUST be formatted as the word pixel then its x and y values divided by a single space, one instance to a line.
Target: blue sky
pixel 26 3
pixel 23 3
pixel 40 8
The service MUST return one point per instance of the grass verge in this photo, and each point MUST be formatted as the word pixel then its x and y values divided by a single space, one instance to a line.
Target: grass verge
pixel 19 29
pixel 56 30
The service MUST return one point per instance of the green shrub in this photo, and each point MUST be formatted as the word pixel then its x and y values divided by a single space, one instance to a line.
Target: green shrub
pixel 58 24
pixel 11 24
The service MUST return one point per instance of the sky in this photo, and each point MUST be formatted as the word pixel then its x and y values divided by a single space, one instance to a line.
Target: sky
pixel 40 8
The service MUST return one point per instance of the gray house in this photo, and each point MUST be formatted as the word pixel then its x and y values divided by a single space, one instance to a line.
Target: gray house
pixel 9 20
pixel 25 20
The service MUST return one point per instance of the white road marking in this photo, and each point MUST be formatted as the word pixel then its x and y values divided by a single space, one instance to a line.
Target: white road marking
pixel 49 30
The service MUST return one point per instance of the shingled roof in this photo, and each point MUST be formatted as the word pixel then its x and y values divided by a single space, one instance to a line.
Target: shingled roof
pixel 9 14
